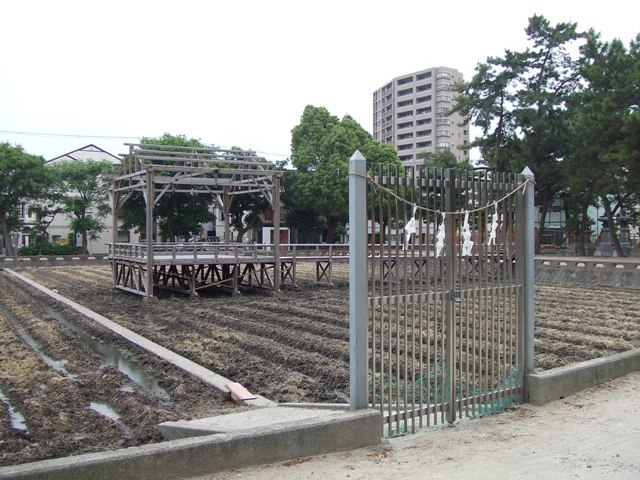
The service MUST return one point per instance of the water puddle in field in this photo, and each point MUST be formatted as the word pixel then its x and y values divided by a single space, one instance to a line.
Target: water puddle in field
pixel 104 410
pixel 107 411
pixel 18 421
pixel 110 355
pixel 23 333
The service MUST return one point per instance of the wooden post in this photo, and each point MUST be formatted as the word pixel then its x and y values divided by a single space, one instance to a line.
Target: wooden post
pixel 276 228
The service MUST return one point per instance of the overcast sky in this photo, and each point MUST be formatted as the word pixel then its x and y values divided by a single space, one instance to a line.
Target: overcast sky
pixel 240 72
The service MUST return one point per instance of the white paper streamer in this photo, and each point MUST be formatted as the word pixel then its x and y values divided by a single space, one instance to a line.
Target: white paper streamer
pixel 440 237
pixel 467 245
pixel 493 228
pixel 410 228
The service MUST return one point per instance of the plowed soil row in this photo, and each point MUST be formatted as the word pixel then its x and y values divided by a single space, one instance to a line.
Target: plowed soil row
pixel 289 348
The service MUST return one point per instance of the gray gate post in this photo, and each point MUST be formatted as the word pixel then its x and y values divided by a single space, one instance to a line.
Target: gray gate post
pixel 529 277
pixel 358 302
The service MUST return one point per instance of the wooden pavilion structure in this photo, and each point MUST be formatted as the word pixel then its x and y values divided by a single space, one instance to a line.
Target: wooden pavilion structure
pixel 153 171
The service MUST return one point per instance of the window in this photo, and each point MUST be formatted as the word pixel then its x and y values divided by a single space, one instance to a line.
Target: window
pixel 405 80
pixel 423 76
pixel 405 114
pixel 406 158
pixel 424 99
pixel 442 109
pixel 443 98
pixel 405 125
pixel 406 91
pixel 443 75
pixel 423 144
pixel 422 111
pixel 423 88
pixel 406 146
pixel 405 136
pixel 424 121
pixel 443 121
pixel 443 145
pixel 405 103
pixel 443 133
pixel 424 133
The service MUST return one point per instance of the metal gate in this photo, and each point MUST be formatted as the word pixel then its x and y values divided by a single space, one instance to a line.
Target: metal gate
pixel 445 294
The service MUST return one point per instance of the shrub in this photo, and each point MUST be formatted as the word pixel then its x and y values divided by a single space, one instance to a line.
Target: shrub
pixel 46 248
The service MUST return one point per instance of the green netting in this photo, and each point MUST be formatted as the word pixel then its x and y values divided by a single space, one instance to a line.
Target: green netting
pixel 431 389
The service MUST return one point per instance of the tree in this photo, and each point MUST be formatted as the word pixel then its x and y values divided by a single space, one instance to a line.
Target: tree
pixel 245 212
pixel 321 146
pixel 22 176
pixel 444 159
pixel 179 214
pixel 83 189
pixel 605 164
pixel 520 103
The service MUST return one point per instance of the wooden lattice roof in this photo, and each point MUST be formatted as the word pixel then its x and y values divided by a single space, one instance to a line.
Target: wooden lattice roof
pixel 207 170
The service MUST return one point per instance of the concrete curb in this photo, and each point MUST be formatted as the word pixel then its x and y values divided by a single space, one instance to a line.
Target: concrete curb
pixel 560 382
pixel 212 453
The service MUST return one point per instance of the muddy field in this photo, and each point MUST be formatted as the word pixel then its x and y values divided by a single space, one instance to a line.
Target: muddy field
pixel 61 394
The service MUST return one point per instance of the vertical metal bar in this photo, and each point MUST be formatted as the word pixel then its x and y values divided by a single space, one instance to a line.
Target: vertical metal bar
pixel 374 285
pixel 409 187
pixel 399 379
pixel 501 293
pixel 436 277
pixel 420 279
pixel 428 273
pixel 512 289
pixel 484 329
pixel 464 393
pixel 388 259
pixel 357 285
pixel 449 306
pixel 384 307
pixel 495 258
pixel 476 222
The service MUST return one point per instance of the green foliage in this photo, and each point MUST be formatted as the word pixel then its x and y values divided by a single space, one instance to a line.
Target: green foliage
pixel 245 212
pixel 22 176
pixel 520 103
pixel 444 159
pixel 321 146
pixel 604 165
pixel 180 214
pixel 82 187
pixel 42 247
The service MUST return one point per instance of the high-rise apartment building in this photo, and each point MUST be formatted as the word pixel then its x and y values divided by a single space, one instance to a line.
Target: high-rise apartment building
pixel 411 112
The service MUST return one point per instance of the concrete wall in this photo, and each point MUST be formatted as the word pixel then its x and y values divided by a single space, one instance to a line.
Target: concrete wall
pixel 199 455
pixel 563 381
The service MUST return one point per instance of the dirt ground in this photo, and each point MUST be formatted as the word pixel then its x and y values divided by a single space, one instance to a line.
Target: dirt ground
pixel 289 348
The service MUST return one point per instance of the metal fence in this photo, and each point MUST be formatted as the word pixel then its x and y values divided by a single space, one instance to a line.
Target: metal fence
pixel 446 299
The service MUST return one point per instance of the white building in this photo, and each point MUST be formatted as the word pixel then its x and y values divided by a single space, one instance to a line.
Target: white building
pixel 59 229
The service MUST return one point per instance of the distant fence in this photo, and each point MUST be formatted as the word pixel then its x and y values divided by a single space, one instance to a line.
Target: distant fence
pixel 597 271
pixel 51 260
